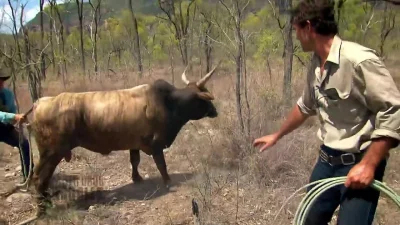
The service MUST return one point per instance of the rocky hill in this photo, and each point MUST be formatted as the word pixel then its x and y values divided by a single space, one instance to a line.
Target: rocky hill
pixel 109 8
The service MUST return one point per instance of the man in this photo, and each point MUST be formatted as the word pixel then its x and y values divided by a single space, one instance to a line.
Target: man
pixel 8 117
pixel 358 104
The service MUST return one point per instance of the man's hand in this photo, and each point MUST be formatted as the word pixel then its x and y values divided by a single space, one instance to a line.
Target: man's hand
pixel 19 118
pixel 360 176
pixel 267 141
pixel 363 173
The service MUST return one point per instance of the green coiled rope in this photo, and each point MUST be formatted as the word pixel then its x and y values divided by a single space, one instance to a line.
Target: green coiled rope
pixel 325 184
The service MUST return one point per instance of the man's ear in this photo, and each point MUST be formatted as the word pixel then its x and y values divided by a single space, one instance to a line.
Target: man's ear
pixel 206 96
pixel 308 26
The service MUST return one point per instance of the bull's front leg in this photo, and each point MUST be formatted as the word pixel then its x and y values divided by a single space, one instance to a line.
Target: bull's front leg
pixel 135 160
pixel 159 159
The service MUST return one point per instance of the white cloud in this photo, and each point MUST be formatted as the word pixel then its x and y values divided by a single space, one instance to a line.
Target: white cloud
pixel 6 18
pixel 31 13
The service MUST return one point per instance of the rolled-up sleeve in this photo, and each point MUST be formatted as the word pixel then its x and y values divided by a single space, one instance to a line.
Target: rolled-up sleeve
pixel 382 97
pixel 305 104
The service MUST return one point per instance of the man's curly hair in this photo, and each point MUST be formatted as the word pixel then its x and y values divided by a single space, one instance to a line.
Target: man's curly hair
pixel 320 13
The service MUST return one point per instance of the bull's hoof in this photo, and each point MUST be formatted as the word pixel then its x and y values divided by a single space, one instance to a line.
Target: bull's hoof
pixel 137 179
pixel 167 184
pixel 43 203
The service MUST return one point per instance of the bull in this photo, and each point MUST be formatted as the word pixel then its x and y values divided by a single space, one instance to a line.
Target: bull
pixel 146 117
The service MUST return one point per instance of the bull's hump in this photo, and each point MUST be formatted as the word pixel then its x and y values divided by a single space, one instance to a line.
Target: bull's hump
pixel 140 89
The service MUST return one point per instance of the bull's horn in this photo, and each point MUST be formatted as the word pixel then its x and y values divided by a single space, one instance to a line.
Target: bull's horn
pixel 204 80
pixel 184 79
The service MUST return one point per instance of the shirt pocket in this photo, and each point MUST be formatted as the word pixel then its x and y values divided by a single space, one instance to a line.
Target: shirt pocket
pixel 340 106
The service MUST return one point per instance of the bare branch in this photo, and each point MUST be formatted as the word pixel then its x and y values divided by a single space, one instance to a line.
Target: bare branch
pixel 298 57
pixel 245 6
pixel 276 16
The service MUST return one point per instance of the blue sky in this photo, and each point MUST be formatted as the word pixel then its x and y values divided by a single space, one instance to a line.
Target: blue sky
pixel 30 11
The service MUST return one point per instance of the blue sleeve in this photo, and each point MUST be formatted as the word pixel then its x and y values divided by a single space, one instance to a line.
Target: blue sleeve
pixel 6 117
pixel 11 101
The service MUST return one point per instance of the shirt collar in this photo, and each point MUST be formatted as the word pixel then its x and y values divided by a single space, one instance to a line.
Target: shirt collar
pixel 334 52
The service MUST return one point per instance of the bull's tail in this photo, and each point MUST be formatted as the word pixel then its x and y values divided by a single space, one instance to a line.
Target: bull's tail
pixel 29 111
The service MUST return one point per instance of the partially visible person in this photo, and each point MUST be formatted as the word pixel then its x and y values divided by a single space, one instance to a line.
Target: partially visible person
pixel 9 117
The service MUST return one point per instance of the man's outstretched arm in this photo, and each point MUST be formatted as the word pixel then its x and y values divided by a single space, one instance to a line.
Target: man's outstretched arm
pixel 295 118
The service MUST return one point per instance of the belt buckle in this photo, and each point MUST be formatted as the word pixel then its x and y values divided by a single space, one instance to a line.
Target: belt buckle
pixel 353 159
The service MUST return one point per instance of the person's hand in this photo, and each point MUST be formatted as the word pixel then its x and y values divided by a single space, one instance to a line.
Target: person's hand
pixel 19 118
pixel 360 176
pixel 266 141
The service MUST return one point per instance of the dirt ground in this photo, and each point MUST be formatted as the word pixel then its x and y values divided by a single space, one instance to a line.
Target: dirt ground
pixel 208 163
pixel 96 189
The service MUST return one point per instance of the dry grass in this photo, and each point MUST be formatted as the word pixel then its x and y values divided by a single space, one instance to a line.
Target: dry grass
pixel 211 161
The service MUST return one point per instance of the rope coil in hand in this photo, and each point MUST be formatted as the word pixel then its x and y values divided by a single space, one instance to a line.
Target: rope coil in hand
pixel 325 184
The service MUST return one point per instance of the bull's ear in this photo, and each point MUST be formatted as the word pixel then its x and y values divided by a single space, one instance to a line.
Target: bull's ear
pixel 206 96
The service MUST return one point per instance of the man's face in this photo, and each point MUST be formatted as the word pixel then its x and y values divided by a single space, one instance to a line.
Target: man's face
pixel 305 36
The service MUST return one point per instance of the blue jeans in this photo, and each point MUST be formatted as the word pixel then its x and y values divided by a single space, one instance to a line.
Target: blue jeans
pixel 357 207
pixel 10 136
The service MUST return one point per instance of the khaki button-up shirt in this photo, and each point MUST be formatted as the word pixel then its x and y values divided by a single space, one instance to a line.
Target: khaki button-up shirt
pixel 355 97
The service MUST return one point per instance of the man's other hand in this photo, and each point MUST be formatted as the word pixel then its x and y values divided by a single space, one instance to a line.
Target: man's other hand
pixel 266 141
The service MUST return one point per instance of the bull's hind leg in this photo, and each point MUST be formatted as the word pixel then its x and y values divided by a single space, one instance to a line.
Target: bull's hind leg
pixel 47 164
pixel 135 160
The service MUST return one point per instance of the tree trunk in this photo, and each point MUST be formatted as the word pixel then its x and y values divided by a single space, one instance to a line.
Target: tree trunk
pixel 42 61
pixel 79 4
pixel 288 56
pixel 389 20
pixel 239 68
pixel 136 39
pixel 339 10
pixel 207 46
pixel 34 81
pixel 51 24
pixel 96 10
pixel 61 46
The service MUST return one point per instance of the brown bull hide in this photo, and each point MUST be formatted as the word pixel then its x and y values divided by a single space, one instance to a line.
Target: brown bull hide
pixel 147 117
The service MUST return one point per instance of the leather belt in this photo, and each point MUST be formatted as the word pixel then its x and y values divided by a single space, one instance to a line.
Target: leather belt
pixel 343 159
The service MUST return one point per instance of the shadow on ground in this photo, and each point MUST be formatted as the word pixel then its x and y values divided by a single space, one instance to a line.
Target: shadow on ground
pixel 150 188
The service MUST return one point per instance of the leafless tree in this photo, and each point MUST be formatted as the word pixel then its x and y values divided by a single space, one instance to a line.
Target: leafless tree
pixel 51 24
pixel 288 49
pixel 180 23
pixel 59 32
pixel 288 53
pixel 388 22
pixel 96 12
pixel 339 9
pixel 136 39
pixel 79 4
pixel 207 41
pixel 43 62
pixel 34 79
pixel 369 10
pixel 235 12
